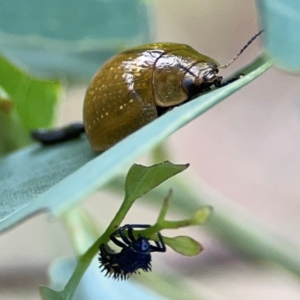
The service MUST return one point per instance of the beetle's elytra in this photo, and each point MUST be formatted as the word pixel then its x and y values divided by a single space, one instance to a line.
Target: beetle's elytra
pixel 136 86
pixel 124 94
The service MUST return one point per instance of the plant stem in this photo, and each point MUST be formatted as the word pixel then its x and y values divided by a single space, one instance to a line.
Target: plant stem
pixel 237 228
pixel 85 260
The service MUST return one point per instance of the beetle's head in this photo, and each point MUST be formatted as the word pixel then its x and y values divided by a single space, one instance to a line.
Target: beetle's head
pixel 200 77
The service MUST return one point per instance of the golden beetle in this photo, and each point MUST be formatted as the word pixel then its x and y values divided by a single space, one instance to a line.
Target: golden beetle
pixel 135 87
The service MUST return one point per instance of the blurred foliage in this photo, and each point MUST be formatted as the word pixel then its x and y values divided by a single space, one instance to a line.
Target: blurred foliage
pixel 94 285
pixel 60 176
pixel 70 39
pixel 135 188
pixel 281 21
pixel 26 103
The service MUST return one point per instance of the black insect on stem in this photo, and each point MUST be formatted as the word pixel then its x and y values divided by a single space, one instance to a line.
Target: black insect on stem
pixel 59 135
pixel 135 253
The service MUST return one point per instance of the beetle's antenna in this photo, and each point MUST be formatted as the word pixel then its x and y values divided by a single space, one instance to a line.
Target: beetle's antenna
pixel 242 50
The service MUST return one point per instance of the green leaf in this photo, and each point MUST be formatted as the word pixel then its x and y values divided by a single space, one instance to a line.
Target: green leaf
pixel 12 133
pixel 55 178
pixel 34 99
pixel 71 38
pixel 184 245
pixel 201 215
pixel 152 179
pixel 234 226
pixel 281 21
pixel 140 179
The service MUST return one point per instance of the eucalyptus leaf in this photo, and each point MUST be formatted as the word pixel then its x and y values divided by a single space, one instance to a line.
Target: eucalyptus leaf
pixel 281 21
pixel 55 178
pixel 70 39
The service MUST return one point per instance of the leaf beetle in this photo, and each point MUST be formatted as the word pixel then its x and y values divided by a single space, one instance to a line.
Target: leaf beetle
pixel 135 253
pixel 135 87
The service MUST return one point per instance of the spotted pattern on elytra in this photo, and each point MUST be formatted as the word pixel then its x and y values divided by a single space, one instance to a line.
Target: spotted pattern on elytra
pixel 127 92
pixel 119 99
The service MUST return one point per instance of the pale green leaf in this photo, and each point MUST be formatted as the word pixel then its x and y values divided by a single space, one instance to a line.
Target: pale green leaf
pixel 34 99
pixel 60 176
pixel 70 39
pixel 140 179
pixel 184 245
pixel 281 21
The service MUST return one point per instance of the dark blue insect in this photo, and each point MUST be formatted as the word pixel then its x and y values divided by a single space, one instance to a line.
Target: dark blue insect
pixel 135 253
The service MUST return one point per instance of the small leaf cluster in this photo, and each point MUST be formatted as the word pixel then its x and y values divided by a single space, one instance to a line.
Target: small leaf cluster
pixel 139 181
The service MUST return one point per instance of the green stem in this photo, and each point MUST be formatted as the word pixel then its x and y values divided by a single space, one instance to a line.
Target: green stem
pixel 234 226
pixel 176 224
pixel 164 208
pixel 82 265
pixel 85 260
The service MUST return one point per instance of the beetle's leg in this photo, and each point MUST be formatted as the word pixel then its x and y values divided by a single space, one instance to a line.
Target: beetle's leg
pixel 104 248
pixel 124 237
pixel 130 228
pixel 128 240
pixel 115 240
pixel 134 226
pixel 160 245
pixel 130 234
pixel 119 232
pixel 54 136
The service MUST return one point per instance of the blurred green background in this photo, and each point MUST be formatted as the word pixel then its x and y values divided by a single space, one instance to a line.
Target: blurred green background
pixel 247 148
pixel 70 39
